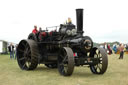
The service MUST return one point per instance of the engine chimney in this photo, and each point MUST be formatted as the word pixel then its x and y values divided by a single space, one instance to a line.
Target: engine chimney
pixel 79 20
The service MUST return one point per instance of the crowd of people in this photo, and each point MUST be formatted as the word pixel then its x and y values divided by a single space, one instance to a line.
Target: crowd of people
pixel 116 48
pixel 120 48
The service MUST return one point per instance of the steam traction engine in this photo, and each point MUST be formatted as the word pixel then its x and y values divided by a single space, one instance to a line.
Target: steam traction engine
pixel 62 49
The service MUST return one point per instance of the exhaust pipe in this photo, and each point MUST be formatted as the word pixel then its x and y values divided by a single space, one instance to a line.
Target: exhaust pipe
pixel 79 21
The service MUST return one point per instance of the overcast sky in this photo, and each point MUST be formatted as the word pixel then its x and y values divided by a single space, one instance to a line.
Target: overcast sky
pixel 104 20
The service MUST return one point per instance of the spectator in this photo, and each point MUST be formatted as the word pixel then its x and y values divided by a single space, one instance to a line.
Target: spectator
pixel 109 49
pixel 11 50
pixel 115 49
pixel 121 48
pixel 126 47
pixel 105 47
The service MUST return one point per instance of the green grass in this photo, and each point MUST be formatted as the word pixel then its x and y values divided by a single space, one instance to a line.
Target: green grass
pixel 11 74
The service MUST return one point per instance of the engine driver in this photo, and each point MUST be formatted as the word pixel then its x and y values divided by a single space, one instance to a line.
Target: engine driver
pixel 35 31
pixel 69 21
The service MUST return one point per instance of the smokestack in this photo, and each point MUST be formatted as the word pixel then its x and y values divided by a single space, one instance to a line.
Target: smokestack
pixel 79 20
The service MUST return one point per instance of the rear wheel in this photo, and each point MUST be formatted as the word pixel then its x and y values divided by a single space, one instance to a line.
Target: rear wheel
pixel 66 61
pixel 101 67
pixel 27 55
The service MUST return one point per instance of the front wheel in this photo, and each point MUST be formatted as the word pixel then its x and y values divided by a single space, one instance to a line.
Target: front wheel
pixel 66 61
pixel 102 57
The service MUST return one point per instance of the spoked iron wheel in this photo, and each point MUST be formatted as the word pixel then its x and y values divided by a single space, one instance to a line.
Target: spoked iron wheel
pixel 27 55
pixel 66 61
pixel 101 67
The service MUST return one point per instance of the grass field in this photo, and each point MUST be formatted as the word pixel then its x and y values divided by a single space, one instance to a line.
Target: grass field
pixel 11 74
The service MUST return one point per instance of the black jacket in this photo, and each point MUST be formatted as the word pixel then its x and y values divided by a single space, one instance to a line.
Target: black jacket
pixel 9 48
